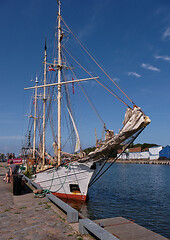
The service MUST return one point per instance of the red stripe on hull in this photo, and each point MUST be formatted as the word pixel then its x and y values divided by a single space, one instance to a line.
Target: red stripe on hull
pixel 76 197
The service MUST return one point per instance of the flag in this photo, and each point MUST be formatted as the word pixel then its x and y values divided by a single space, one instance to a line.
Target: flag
pixel 73 85
pixel 50 68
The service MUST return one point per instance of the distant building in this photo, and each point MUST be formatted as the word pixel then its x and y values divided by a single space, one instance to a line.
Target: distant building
pixel 135 149
pixel 136 153
pixel 165 153
pixel 154 152
pixel 145 150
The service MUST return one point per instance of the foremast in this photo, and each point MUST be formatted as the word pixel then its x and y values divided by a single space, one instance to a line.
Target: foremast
pixel 59 66
pixel 44 104
pixel 35 117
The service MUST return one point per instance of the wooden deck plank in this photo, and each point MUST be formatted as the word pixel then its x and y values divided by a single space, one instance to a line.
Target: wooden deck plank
pixel 128 230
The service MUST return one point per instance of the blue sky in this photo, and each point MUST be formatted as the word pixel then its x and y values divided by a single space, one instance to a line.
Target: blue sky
pixel 131 39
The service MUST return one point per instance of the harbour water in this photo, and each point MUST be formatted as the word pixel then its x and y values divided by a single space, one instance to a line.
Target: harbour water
pixel 134 191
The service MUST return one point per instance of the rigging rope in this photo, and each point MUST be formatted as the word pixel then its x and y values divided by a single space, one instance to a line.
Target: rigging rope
pixel 96 79
pixel 77 178
pixel 62 184
pixel 96 62
pixel 97 175
pixel 85 93
pixel 72 133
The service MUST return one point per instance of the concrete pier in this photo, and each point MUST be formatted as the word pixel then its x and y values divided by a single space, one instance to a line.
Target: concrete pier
pixel 26 217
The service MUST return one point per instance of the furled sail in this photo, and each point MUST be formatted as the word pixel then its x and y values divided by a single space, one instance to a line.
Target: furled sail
pixel 134 121
pixel 77 147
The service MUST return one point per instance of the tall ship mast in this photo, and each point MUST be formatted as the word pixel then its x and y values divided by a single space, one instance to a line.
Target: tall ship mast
pixel 59 81
pixel 35 119
pixel 44 103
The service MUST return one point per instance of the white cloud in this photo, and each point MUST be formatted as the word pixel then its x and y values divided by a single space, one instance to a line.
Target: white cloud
pixel 150 67
pixel 116 79
pixel 134 74
pixel 88 28
pixel 146 91
pixel 166 34
pixel 166 58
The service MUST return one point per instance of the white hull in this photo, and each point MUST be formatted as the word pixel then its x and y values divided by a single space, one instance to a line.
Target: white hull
pixel 69 181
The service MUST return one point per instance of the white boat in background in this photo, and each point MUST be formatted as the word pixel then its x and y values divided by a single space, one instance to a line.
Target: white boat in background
pixel 67 175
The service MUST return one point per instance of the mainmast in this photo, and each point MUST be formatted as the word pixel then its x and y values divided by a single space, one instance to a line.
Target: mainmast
pixel 44 103
pixel 35 116
pixel 59 85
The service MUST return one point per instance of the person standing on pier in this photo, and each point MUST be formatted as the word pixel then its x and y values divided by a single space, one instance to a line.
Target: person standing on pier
pixel 13 168
pixel 12 171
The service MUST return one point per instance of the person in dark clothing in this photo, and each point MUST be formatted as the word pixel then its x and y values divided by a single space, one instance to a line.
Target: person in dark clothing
pixel 13 171
pixel 13 168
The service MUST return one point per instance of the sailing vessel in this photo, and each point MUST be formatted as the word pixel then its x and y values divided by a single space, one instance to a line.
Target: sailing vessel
pixel 68 175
